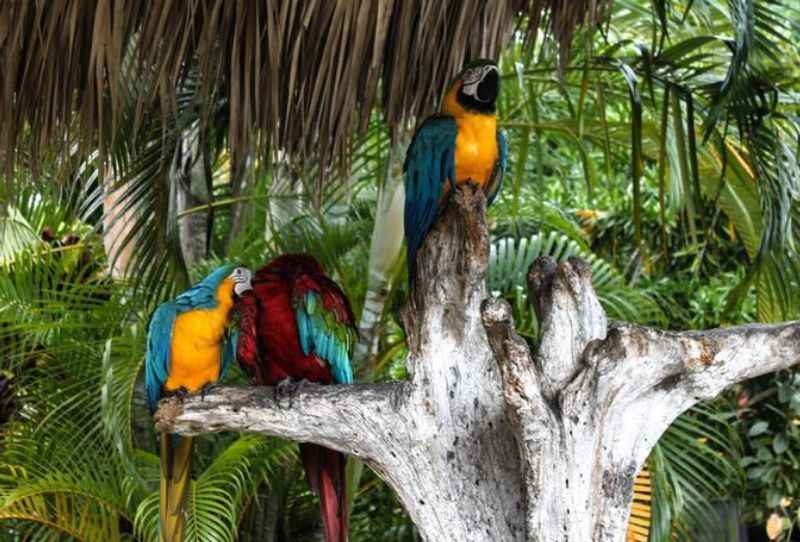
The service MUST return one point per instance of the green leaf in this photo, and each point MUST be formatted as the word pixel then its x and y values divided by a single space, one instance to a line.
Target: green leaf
pixel 758 428
pixel 779 444
pixel 763 454
pixel 757 473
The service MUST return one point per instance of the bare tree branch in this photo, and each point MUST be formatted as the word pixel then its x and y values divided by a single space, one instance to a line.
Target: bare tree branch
pixel 570 317
pixel 352 418
pixel 664 373
pixel 488 441
pixel 530 416
pixel 589 406
pixel 699 364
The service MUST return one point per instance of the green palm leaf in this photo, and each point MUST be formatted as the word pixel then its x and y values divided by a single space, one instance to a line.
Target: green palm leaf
pixel 220 494
pixel 694 468
pixel 510 259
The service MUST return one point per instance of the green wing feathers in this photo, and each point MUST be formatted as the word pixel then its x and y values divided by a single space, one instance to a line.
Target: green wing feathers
pixel 325 326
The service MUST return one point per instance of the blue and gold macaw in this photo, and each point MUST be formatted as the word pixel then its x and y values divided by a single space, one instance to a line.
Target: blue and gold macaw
pixel 186 354
pixel 459 144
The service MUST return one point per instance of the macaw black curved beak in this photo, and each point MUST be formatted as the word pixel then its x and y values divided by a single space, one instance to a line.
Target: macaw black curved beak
pixel 489 86
pixel 241 292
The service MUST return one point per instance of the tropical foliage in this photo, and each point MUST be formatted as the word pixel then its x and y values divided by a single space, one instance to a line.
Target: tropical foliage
pixel 664 152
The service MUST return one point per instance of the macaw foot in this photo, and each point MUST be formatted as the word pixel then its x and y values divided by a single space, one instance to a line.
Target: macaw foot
pixel 211 386
pixel 286 390
pixel 181 393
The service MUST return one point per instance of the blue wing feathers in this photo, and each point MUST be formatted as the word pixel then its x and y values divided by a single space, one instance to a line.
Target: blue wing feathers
pixel 304 332
pixel 430 163
pixel 159 344
pixel 321 334
pixel 503 146
pixel 500 168
pixel 159 338
pixel 203 295
pixel 228 354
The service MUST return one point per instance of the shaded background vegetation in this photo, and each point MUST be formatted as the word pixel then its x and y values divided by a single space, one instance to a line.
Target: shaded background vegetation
pixel 663 148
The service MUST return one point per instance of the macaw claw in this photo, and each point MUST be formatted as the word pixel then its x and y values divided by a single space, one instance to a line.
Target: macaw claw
pixel 180 393
pixel 286 390
pixel 211 386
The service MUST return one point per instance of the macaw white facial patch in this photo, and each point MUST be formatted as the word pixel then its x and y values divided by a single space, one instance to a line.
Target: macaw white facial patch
pixel 472 78
pixel 241 280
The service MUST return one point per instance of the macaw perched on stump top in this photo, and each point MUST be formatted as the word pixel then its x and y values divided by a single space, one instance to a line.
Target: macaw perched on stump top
pixel 297 325
pixel 185 354
pixel 460 144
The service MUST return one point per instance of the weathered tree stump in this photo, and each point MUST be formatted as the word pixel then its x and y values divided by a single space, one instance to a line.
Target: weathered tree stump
pixel 487 442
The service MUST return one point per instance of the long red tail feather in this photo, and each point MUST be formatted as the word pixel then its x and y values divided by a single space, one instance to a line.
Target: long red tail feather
pixel 326 473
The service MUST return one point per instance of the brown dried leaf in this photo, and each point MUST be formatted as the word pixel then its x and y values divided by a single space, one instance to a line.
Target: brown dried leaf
pixel 299 76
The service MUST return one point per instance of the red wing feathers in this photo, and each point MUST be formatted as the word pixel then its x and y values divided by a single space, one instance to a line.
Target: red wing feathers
pixel 247 345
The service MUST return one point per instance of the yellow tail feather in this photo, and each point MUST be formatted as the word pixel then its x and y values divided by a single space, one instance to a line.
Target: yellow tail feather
pixel 176 466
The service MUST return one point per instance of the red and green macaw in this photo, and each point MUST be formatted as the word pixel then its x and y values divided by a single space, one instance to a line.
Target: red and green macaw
pixel 459 144
pixel 186 354
pixel 297 324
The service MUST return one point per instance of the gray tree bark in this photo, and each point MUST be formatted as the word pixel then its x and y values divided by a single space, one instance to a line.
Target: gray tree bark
pixel 240 178
pixel 194 190
pixel 285 196
pixel 487 441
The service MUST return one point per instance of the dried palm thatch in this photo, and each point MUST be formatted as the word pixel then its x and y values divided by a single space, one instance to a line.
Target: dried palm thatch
pixel 299 75
pixel 563 17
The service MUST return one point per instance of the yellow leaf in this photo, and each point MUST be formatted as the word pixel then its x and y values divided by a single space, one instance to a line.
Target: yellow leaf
pixel 774 526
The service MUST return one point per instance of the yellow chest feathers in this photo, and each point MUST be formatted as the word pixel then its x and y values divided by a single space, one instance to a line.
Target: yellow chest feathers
pixel 196 352
pixel 476 140
pixel 476 147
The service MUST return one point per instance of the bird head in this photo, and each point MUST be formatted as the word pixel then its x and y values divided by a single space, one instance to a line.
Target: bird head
pixel 241 277
pixel 474 89
pixel 292 264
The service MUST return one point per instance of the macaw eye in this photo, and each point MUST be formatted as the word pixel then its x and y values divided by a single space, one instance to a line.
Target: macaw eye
pixel 241 275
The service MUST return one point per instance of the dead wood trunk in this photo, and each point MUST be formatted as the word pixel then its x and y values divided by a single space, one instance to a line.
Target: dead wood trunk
pixel 487 441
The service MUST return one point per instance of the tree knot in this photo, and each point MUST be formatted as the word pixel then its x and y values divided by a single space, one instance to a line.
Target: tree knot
pixel 496 312
pixel 707 355
pixel 168 410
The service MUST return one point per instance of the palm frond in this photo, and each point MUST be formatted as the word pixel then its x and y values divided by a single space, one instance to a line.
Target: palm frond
pixel 220 494
pixel 510 259
pixel 60 505
pixel 694 467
